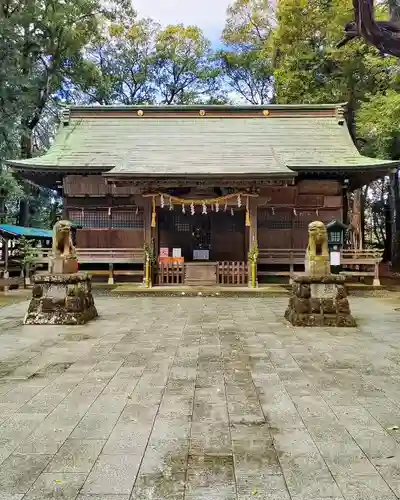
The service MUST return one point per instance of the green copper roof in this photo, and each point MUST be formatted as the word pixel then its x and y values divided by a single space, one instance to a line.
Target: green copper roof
pixel 181 142
pixel 28 232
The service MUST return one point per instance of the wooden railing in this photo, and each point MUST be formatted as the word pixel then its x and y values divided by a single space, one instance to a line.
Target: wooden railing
pixel 101 256
pixel 110 256
pixel 232 273
pixel 357 263
pixel 171 273
pixel 362 263
pixel 280 257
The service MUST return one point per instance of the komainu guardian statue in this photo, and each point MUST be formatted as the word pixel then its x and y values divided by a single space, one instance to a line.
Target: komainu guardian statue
pixel 318 297
pixel 62 240
pixel 63 259
pixel 63 296
pixel 317 254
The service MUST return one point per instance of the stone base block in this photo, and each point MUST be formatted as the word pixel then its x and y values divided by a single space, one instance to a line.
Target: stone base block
pixel 61 299
pixel 64 266
pixel 319 301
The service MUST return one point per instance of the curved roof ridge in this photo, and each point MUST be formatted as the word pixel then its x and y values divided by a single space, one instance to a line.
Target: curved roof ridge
pixel 211 107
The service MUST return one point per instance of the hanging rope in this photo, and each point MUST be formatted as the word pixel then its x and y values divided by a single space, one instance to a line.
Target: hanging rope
pixel 153 214
pixel 247 213
pixel 174 200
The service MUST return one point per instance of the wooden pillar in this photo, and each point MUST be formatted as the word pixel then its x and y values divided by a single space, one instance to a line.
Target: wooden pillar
pixel 5 256
pixel 147 229
pixel 147 210
pixel 27 273
pixel 377 281
pixel 253 210
pixel 253 236
pixel 110 274
pixel 65 207
pixel 109 238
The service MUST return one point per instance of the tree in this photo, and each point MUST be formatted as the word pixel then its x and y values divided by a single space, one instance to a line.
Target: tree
pixel 384 35
pixel 311 69
pixel 43 41
pixel 10 194
pixel 118 66
pixel 379 124
pixel 184 69
pixel 246 61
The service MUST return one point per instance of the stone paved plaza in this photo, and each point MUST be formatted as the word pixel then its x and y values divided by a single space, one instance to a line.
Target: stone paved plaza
pixel 200 399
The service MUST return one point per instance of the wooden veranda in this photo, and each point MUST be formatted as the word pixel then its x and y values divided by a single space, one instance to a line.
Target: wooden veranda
pixel 128 264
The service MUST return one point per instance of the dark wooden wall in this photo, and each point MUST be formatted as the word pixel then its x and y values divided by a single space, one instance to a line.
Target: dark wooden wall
pixel 229 236
pixel 227 233
pixel 110 217
pixel 285 212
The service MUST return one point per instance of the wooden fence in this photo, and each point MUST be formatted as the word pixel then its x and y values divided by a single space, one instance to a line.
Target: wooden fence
pixel 357 263
pixel 233 273
pixel 171 273
pixel 101 256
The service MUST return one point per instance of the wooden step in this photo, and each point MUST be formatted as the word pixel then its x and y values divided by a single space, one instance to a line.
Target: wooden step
pixel 200 274
pixel 199 282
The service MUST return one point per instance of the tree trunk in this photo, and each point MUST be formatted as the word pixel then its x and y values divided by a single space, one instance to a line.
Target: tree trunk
pixel 395 220
pixel 26 152
pixel 351 113
pixel 387 253
pixel 363 194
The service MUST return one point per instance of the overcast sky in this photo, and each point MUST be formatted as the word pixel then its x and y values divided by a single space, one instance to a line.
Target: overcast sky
pixel 209 15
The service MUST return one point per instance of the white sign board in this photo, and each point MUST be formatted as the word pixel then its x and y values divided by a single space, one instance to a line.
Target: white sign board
pixel 201 254
pixel 176 252
pixel 323 291
pixel 335 258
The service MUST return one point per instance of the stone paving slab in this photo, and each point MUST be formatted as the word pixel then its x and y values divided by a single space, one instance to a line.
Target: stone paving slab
pixel 172 398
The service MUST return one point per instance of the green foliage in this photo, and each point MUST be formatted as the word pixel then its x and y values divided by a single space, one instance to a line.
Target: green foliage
pixel 309 67
pixel 9 187
pixel 253 254
pixel 379 125
pixel 47 38
pixel 137 62
pixel 246 62
pixel 119 65
pixel 149 253
pixel 41 45
pixel 184 70
pixel 27 251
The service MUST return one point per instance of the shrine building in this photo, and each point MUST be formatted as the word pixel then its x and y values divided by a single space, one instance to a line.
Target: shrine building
pixel 199 187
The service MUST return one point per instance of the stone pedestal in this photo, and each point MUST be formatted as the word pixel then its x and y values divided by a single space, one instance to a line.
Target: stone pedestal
pixel 318 265
pixel 59 265
pixel 61 299
pixel 319 301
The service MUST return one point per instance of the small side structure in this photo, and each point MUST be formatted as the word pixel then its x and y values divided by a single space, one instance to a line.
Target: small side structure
pixel 12 268
pixel 318 297
pixel 63 297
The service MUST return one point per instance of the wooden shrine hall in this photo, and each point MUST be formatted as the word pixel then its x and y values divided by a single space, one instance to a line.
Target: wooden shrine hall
pixel 199 189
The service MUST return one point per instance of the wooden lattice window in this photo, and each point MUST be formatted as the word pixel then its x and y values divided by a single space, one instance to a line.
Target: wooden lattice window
pixel 76 216
pixel 302 219
pixel 227 222
pixel 310 200
pixel 278 219
pixel 90 219
pixel 127 219
pixel 181 223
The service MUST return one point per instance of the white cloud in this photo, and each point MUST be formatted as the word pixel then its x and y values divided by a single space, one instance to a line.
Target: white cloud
pixel 209 15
